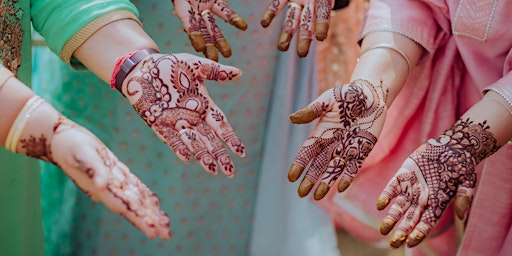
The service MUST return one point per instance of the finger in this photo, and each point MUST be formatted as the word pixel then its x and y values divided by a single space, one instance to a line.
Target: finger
pixel 172 138
pixel 216 148
pixel 272 10
pixel 197 148
pixel 221 9
pixel 323 15
pixel 315 109
pixel 423 228
pixel 209 49
pixel 411 217
pixel 305 30
pixel 392 190
pixel 212 70
pixel 218 38
pixel 348 174
pixel 220 125
pixel 309 149
pixel 190 18
pixel 396 211
pixel 463 201
pixel 290 25
pixel 333 171
pixel 315 171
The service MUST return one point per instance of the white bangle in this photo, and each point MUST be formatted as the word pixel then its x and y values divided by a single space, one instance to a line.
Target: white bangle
pixel 393 48
pixel 17 127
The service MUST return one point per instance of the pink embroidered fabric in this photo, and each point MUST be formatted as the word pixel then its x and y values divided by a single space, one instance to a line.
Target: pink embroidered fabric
pixel 468 45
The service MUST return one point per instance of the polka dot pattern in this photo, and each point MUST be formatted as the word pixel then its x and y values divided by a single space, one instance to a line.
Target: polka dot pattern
pixel 210 215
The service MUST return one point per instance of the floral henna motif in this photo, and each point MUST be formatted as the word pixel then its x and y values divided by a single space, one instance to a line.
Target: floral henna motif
pixel 178 109
pixel 449 161
pixel 323 10
pixel 288 24
pixel 305 29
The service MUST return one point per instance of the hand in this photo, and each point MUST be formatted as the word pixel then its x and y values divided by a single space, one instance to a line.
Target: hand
pixel 199 23
pixel 93 168
pixel 351 118
pixel 304 15
pixel 438 171
pixel 168 92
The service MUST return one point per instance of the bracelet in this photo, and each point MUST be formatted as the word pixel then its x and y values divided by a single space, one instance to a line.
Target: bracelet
pixel 125 64
pixel 5 74
pixel 338 4
pixel 17 127
pixel 393 48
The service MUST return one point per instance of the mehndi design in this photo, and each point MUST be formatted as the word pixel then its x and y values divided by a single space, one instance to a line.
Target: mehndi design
pixel 168 92
pixel 351 117
pixel 431 177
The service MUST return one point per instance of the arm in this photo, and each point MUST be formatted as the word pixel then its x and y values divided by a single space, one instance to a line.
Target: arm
pixel 30 126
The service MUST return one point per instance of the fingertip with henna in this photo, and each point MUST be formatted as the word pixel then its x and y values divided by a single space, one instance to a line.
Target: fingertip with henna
pixel 321 191
pixel 303 116
pixel 415 238
pixel 223 46
pixel 211 52
pixel 267 17
pixel 197 41
pixel 295 172
pixel 305 187
pixel 382 202
pixel 343 185
pixel 321 29
pixel 239 22
pixel 303 47
pixel 386 225
pixel 462 203
pixel 284 41
pixel 397 239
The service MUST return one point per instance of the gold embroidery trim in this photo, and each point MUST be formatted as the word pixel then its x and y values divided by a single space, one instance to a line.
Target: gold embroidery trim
pixel 81 36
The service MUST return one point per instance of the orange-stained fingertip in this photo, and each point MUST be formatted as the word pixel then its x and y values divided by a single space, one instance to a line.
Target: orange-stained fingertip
pixel 343 185
pixel 415 238
pixel 397 239
pixel 284 41
pixel 382 202
pixel 462 203
pixel 386 225
pixel 321 191
pixel 305 187
pixel 211 52
pixel 295 172
pixel 303 47
pixel 321 30
pixel 303 116
pixel 267 18
pixel 223 47
pixel 197 41
pixel 239 22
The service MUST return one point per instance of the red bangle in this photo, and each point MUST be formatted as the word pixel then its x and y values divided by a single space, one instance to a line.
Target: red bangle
pixel 125 64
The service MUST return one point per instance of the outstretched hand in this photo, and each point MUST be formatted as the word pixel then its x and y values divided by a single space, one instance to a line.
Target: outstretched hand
pixel 310 17
pixel 351 117
pixel 169 93
pixel 199 23
pixel 437 172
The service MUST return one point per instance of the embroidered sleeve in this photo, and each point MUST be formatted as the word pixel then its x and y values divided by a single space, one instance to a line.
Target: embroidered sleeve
pixel 65 25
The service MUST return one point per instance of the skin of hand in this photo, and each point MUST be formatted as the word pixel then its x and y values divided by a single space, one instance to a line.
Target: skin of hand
pixel 199 23
pixel 51 137
pixel 169 93
pixel 350 117
pixel 100 52
pixel 442 170
pixel 308 16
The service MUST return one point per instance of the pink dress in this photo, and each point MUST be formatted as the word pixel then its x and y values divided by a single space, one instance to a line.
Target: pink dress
pixel 469 46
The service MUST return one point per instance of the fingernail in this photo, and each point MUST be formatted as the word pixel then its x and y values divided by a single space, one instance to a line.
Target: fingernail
pixel 382 202
pixel 267 18
pixel 223 46
pixel 305 187
pixel 343 185
pixel 321 29
pixel 238 22
pixel 461 206
pixel 321 191
pixel 303 47
pixel 197 41
pixel 415 238
pixel 211 52
pixel 386 225
pixel 284 41
pixel 397 239
pixel 303 116
pixel 295 172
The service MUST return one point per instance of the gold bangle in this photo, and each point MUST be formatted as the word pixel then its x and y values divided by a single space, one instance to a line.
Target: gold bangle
pixel 5 74
pixel 393 48
pixel 19 123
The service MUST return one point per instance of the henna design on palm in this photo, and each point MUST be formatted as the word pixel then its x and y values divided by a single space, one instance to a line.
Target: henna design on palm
pixel 168 92
pixel 351 117
pixel 432 176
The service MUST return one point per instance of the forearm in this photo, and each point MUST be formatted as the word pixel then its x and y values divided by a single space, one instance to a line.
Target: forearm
pixel 100 51
pixel 385 65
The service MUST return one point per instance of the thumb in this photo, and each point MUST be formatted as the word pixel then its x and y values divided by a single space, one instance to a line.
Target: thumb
pixel 463 201
pixel 314 110
pixel 211 70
